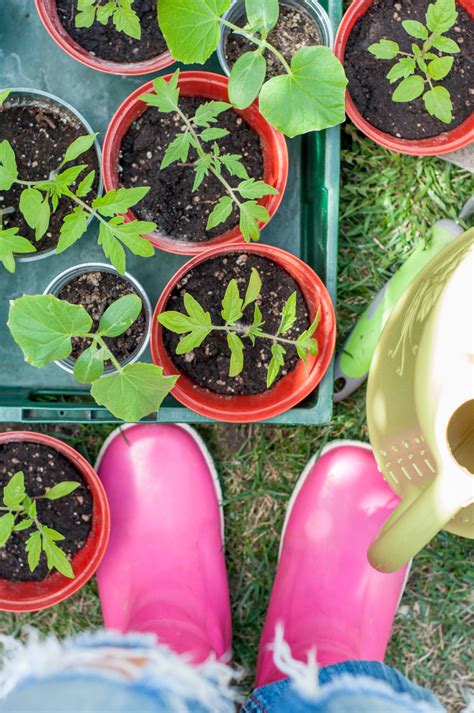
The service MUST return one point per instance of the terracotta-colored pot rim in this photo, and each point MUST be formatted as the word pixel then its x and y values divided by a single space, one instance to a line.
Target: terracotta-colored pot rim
pixel 194 83
pixel 100 511
pixel 446 142
pixel 233 409
pixel 58 33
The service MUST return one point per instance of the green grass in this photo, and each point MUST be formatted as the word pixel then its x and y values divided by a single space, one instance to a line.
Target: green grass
pixel 388 203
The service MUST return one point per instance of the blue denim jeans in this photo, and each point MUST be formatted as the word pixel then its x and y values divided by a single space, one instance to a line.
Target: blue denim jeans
pixel 104 673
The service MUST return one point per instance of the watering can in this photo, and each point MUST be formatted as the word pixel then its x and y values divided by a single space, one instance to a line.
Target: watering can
pixel 420 407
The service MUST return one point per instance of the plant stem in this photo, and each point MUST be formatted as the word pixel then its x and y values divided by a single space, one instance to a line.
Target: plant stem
pixel 259 42
pixel 244 331
pixel 202 153
pixel 101 342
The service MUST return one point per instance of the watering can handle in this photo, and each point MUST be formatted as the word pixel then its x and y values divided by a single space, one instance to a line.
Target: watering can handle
pixel 416 521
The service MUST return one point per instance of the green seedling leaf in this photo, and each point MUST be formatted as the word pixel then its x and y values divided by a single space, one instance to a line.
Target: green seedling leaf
pixel 133 393
pixel 253 289
pixel 86 18
pixel 89 365
pixel 385 49
pixel 36 211
pixel 72 229
pixel 438 103
pixel 166 95
pixel 197 322
pixel 127 21
pixel 201 168
pixel 105 12
pixel 85 186
pixel 43 326
pixel 415 29
pixel 255 331
pixel 64 180
pixel 234 165
pixel 112 248
pixel 236 347
pixel 208 113
pixel 6 527
pixel 8 167
pixel 288 315
pixel 403 68
pixel 246 78
pixel 220 213
pixel 446 44
pixel 11 244
pixel 191 27
pixel 14 491
pixel 119 200
pixel 232 304
pixel 78 147
pixel 440 67
pixel 276 362
pixel 178 150
pixel 120 316
pixel 441 15
pixel 213 133
pixel 23 525
pixel 61 490
pixel 251 213
pixel 409 89
pixel 252 188
pixel 52 535
pixel 55 556
pixel 33 549
pixel 4 94
pixel 262 13
pixel 305 344
pixel 316 86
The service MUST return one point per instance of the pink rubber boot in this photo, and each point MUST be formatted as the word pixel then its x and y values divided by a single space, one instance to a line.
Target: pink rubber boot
pixel 164 570
pixel 326 595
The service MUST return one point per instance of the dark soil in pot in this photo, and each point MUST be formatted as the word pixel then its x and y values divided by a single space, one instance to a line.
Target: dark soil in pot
pixel 295 29
pixel 71 515
pixel 96 291
pixel 369 87
pixel 208 365
pixel 40 134
pixel 171 203
pixel 106 42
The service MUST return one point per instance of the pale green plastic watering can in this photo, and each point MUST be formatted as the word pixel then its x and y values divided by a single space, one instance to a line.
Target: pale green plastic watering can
pixel 420 407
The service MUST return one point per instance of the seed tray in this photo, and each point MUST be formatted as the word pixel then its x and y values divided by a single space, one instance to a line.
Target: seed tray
pixel 306 225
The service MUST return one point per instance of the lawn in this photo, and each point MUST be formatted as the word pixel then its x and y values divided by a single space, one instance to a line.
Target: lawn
pixel 388 203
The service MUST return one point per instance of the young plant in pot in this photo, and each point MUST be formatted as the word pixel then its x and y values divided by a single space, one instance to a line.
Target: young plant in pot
pixel 250 331
pixel 113 36
pixel 307 92
pixel 409 90
pixel 54 521
pixel 49 188
pixel 216 175
pixel 95 324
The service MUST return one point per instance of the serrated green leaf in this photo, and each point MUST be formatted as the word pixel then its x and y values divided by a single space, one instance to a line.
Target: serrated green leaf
pixel 105 12
pixel 220 212
pixel 127 21
pixel 234 165
pixel 118 200
pixel 85 186
pixel 86 18
pixel 72 229
pixel 6 527
pixel 446 44
pixel 438 103
pixel 409 89
pixel 311 98
pixel 22 525
pixel 120 316
pixel 440 67
pixel 208 113
pixel 214 133
pixel 288 315
pixel 33 549
pixel 415 29
pixel 89 365
pixel 55 556
pixel 132 235
pixel 201 168
pixel 251 213
pixel 384 49
pixel 191 27
pixel 276 362
pixel 441 15
pixel 11 244
pixel 36 211
pixel 263 13
pixel 43 326
pixel 404 68
pixel 253 288
pixel 178 150
pixel 192 340
pixel 61 490
pixel 252 188
pixel 8 167
pixel 246 78
pixel 78 147
pixel 236 347
pixel 112 248
pixel 14 491
pixel 166 96
pixel 133 393
pixel 232 303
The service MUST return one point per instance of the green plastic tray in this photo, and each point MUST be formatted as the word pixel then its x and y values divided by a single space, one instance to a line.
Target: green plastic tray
pixel 306 225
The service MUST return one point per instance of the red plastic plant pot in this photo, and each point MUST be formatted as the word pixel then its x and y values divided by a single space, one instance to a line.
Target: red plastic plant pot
pixel 209 86
pixel 49 17
pixel 33 596
pixel 290 389
pixel 445 142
